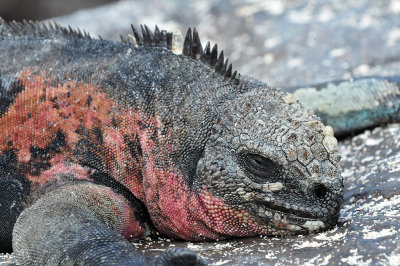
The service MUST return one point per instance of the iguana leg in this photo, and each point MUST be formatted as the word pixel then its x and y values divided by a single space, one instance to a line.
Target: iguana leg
pixel 83 224
pixel 72 225
pixel 14 188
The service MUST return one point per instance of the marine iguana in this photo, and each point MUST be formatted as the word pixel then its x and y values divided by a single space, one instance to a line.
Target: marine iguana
pixel 102 142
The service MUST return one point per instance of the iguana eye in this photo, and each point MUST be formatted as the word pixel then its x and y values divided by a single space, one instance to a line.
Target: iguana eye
pixel 260 166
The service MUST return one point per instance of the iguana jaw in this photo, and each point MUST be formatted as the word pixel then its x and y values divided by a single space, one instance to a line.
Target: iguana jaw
pixel 255 218
pixel 290 222
pixel 276 214
pixel 286 207
pixel 268 208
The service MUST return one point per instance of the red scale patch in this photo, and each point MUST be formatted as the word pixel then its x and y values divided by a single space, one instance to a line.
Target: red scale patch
pixel 41 110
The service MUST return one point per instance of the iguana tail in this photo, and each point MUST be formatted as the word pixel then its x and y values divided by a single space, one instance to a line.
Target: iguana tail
pixel 353 105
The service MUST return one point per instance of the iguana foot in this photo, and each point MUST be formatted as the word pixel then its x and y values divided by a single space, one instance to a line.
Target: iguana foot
pixel 179 256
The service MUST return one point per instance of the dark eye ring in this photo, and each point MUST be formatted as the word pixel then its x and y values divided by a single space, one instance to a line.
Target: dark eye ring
pixel 260 166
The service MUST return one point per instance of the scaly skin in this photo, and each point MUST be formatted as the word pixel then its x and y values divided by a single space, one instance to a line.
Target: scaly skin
pixel 353 105
pixel 103 141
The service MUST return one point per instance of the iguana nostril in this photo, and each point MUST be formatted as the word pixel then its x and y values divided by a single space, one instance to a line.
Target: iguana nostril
pixel 320 190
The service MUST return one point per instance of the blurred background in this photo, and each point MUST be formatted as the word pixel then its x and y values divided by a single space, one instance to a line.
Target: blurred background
pixel 42 9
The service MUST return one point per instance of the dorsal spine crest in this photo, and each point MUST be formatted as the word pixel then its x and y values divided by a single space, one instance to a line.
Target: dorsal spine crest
pixel 147 38
pixel 191 47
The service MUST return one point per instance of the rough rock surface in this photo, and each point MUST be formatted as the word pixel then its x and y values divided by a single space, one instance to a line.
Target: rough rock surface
pixel 289 43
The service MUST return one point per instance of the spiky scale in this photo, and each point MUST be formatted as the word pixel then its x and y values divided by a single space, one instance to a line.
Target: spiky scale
pixel 157 36
pixel 138 37
pixel 150 36
pixel 224 68
pixel 145 35
pixel 206 55
pixel 214 55
pixel 197 49
pixel 220 62
pixel 169 40
pixel 163 38
pixel 229 71
pixel 234 75
pixel 187 45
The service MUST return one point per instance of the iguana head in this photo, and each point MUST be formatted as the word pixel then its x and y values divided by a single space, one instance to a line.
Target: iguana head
pixel 274 163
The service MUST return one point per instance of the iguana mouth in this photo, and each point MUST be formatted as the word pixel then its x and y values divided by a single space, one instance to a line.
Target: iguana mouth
pixel 291 224
pixel 268 210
